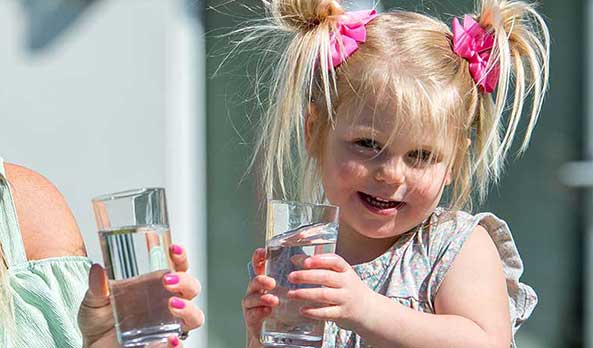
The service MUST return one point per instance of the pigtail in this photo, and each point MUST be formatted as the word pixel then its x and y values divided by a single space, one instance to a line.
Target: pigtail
pixel 521 53
pixel 308 24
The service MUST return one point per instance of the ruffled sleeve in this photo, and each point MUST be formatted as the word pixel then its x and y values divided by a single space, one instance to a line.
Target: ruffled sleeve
pixel 47 295
pixel 448 238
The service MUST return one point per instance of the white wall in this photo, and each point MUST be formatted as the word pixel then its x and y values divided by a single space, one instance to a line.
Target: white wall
pixel 114 102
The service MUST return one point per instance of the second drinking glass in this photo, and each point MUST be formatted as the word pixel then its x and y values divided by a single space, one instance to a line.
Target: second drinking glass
pixel 294 232
pixel 135 238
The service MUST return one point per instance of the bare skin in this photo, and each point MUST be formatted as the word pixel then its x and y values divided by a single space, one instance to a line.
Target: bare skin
pixel 471 306
pixel 48 229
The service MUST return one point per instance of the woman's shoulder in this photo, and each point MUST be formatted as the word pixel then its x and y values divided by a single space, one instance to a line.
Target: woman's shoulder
pixel 47 225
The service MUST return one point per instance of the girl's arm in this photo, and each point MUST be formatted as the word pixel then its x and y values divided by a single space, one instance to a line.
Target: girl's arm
pixel 471 304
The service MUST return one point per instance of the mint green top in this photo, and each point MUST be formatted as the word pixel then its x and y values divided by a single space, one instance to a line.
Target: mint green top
pixel 46 293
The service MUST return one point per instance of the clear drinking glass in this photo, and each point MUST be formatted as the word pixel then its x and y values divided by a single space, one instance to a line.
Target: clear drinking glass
pixel 135 238
pixel 294 232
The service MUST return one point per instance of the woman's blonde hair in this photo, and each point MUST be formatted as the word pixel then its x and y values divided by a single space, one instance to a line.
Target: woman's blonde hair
pixel 407 62
pixel 6 310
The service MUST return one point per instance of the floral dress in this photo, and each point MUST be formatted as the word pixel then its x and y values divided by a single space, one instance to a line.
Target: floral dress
pixel 413 269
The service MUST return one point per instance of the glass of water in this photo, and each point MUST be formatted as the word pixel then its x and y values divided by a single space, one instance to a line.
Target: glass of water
pixel 135 238
pixel 294 232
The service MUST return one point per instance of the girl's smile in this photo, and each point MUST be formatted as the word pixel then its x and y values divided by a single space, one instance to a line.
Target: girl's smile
pixel 379 206
pixel 385 180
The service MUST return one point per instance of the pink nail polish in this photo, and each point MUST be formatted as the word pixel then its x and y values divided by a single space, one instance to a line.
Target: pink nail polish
pixel 175 341
pixel 176 249
pixel 171 279
pixel 177 303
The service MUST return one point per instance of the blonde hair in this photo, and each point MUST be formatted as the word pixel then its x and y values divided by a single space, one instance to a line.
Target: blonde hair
pixel 6 307
pixel 408 62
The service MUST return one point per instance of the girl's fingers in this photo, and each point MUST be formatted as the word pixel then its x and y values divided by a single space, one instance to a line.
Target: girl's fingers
pixel 327 261
pixel 316 276
pixel 191 316
pixel 257 300
pixel 261 283
pixel 321 313
pixel 254 317
pixel 179 258
pixel 174 342
pixel 182 284
pixel 298 260
pixel 318 295
pixel 258 260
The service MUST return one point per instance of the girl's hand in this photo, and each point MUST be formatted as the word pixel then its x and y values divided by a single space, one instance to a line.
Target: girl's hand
pixel 344 297
pixel 257 304
pixel 95 316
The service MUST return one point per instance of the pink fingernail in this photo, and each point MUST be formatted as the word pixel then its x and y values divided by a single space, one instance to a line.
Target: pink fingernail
pixel 171 279
pixel 177 303
pixel 176 249
pixel 175 341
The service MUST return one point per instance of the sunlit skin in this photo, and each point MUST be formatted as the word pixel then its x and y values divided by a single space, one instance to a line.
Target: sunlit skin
pixel 387 181
pixel 361 158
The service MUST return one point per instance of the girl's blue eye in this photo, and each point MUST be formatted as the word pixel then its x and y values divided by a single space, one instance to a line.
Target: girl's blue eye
pixel 423 156
pixel 368 144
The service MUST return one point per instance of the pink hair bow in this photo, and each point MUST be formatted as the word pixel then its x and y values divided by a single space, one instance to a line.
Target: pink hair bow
pixel 473 43
pixel 351 29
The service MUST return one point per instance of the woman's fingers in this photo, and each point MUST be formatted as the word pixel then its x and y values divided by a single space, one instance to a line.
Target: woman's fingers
pixel 174 342
pixel 182 284
pixel 179 257
pixel 98 285
pixel 95 316
pixel 191 316
pixel 258 261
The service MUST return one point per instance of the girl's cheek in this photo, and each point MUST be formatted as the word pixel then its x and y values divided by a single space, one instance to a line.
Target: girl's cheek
pixel 352 170
pixel 429 187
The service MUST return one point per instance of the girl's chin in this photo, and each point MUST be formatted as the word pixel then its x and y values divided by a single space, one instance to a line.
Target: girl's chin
pixel 375 231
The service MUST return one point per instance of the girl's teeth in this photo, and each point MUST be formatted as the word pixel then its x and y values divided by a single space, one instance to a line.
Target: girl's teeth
pixel 379 203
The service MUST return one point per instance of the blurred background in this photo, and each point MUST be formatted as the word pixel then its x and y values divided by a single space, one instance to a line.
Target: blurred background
pixel 106 95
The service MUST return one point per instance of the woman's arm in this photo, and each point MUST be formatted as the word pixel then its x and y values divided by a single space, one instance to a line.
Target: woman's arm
pixel 471 305
pixel 47 225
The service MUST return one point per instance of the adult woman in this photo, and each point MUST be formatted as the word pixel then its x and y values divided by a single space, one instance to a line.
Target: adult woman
pixel 44 272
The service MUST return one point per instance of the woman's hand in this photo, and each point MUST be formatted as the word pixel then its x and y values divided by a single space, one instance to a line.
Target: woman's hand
pixel 257 304
pixel 95 316
pixel 343 298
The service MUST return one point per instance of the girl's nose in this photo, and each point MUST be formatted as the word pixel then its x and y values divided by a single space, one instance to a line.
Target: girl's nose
pixel 391 172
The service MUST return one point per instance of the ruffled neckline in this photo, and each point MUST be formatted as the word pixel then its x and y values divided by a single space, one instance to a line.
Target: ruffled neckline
pixel 32 264
pixel 374 273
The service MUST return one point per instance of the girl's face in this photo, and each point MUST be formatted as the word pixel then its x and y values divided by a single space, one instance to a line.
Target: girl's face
pixel 383 188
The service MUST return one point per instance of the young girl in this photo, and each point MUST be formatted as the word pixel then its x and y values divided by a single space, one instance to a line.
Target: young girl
pixel 379 115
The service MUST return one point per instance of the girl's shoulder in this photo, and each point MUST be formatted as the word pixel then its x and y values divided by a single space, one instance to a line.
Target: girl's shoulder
pixel 447 231
pixel 434 248
pixel 448 228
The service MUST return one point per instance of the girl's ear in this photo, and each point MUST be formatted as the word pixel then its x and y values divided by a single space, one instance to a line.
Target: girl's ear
pixel 311 119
